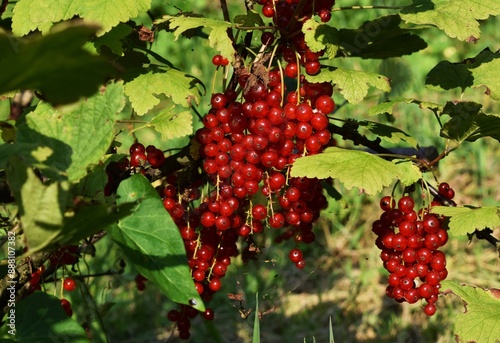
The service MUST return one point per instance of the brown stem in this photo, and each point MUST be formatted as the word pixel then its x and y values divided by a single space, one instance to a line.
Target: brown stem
pixel 225 13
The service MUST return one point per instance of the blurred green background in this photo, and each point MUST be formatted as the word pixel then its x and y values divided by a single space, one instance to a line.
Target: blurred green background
pixel 344 279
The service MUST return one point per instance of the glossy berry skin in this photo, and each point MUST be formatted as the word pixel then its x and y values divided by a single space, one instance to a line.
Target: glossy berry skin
pixel 387 203
pixel 295 255
pixel 208 314
pixel 138 159
pixel 406 204
pixel 430 309
pixel 66 305
pixel 69 284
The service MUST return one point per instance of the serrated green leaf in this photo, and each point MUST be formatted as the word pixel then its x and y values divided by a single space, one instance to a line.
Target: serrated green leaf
pixel 173 125
pixel 79 135
pixel 468 123
pixel 353 84
pixel 388 106
pixel 389 133
pixel 42 14
pixel 480 322
pixel 457 18
pixel 353 168
pixel 143 90
pixel 464 220
pixel 485 72
pixel 476 72
pixel 381 38
pixel 250 19
pixel 40 318
pixel 152 242
pixel 408 172
pixel 218 38
pixel 321 37
pixel 56 65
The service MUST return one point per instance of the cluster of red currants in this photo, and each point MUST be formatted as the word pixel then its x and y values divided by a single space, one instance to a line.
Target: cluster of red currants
pixel 410 242
pixel 251 137
pixel 140 155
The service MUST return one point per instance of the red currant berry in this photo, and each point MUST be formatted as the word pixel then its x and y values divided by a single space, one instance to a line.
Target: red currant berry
pixel 387 203
pixel 295 255
pixel 69 284
pixel 430 309
pixel 66 305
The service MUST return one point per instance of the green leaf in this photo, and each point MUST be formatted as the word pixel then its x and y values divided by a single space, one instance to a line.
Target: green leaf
pixel 464 220
pixel 46 221
pixel 485 71
pixel 79 134
pixel 151 240
pixel 446 75
pixel 56 65
pixel 250 19
pixel 218 38
pixel 380 38
pixel 480 322
pixel 457 18
pixel 173 125
pixel 388 106
pixel 476 72
pixel 40 318
pixel 41 207
pixel 351 167
pixel 353 84
pixel 113 39
pixel 408 172
pixel 468 123
pixel 389 133
pixel 42 14
pixel 143 90
pixel 321 37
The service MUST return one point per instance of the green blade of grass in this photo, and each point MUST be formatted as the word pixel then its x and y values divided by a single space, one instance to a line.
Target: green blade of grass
pixel 256 327
pixel 331 331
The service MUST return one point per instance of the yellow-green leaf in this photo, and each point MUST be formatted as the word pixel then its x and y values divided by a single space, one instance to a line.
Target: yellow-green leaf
pixel 480 323
pixel 464 220
pixel 353 84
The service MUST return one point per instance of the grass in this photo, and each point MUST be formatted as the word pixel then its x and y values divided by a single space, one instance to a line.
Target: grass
pixel 343 279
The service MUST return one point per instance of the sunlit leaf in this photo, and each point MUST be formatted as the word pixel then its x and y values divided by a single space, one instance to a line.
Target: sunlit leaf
pixel 464 220
pixel 353 84
pixel 353 168
pixel 42 14
pixel 388 106
pixel 173 125
pixel 480 322
pixel 218 38
pixel 143 91
pixel 457 18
